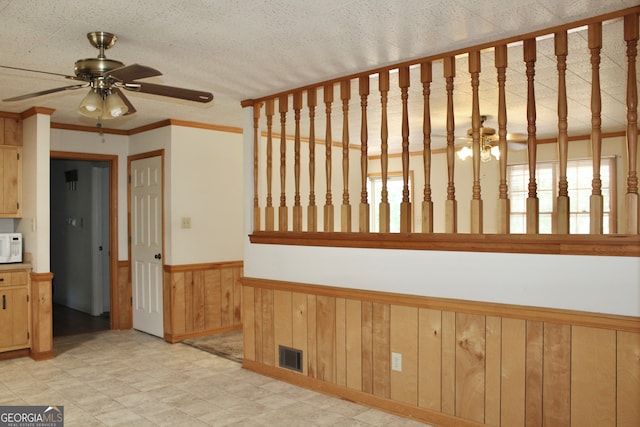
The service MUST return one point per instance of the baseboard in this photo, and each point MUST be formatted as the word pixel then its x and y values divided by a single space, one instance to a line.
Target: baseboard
pixel 351 395
pixel 45 355
pixel 14 354
pixel 175 338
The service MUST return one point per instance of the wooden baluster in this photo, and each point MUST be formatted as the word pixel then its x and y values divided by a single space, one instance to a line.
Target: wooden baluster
pixel 345 209
pixel 283 214
pixel 364 161
pixel 561 50
pixel 427 204
pixel 504 208
pixel 256 153
pixel 385 217
pixel 596 211
pixel 312 209
pixel 297 208
pixel 328 206
pixel 451 205
pixel 631 37
pixel 476 201
pixel 405 205
pixel 269 214
pixel 529 53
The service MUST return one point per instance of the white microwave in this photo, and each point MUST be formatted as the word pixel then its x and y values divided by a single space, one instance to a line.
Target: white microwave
pixel 10 247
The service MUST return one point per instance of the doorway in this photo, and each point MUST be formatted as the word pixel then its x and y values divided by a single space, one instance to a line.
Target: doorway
pixel 83 242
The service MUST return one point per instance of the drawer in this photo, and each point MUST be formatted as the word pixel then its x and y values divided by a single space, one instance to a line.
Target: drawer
pixel 5 278
pixel 13 278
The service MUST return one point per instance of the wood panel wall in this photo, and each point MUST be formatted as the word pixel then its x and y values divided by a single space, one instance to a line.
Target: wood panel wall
pixel 201 299
pixel 41 316
pixel 122 317
pixel 463 363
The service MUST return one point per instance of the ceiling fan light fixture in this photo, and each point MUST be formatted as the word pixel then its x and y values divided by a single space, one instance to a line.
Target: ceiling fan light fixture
pixel 91 105
pixel 114 106
pixel 495 152
pixel 464 153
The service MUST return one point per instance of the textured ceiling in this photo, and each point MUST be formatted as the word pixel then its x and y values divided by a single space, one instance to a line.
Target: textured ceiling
pixel 240 49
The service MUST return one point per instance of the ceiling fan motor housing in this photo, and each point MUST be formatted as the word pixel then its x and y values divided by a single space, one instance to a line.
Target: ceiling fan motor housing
pixel 90 68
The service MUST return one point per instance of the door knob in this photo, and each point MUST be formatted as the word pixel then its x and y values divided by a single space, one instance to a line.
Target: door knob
pixel 157 256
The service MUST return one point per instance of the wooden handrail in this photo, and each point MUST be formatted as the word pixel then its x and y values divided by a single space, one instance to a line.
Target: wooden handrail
pixel 574 244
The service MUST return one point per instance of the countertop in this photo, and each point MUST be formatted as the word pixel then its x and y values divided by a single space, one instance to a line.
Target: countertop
pixel 15 266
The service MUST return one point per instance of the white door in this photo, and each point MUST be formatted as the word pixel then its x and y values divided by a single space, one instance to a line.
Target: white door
pixel 146 244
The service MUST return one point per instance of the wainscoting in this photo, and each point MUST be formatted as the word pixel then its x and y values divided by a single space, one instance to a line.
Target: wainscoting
pixel 462 363
pixel 201 299
pixel 121 315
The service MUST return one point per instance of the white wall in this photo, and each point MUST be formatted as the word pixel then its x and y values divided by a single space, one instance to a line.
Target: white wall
pixel 203 181
pixel 206 186
pixel 34 224
pixel 568 282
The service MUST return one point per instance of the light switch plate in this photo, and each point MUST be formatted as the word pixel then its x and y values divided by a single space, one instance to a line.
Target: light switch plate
pixel 396 362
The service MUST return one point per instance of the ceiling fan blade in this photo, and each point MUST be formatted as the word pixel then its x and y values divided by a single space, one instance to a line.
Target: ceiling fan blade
pixel 517 145
pixel 38 71
pixel 174 92
pixel 44 92
pixel 132 72
pixel 131 108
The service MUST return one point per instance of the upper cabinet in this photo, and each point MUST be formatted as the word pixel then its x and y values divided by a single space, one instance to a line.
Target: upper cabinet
pixel 10 168
pixel 11 131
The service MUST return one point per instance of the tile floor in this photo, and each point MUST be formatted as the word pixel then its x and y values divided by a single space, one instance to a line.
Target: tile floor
pixel 128 378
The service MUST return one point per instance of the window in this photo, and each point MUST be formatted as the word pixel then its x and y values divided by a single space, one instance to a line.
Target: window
pixel 394 188
pixel 579 176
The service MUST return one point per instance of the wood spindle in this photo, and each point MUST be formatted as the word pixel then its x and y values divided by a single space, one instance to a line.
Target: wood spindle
pixel 451 205
pixel 427 203
pixel 283 211
pixel 312 209
pixel 269 215
pixel 363 223
pixel 256 154
pixel 477 144
pixel 385 216
pixel 596 202
pixel 562 208
pixel 328 205
pixel 297 208
pixel 405 205
pixel 632 203
pixel 504 208
pixel 345 209
pixel 529 53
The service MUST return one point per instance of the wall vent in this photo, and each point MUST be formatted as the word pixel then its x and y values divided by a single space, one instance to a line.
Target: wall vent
pixel 290 358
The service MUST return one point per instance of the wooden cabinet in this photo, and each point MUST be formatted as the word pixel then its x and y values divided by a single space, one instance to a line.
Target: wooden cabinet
pixel 10 168
pixel 10 182
pixel 14 310
pixel 10 131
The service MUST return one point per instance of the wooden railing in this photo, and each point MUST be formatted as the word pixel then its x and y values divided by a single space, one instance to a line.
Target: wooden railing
pixel 395 118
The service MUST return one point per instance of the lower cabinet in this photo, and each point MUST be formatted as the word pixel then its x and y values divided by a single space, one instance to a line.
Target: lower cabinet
pixel 14 311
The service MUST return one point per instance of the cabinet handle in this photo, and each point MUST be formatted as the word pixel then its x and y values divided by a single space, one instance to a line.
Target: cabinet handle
pixel 4 302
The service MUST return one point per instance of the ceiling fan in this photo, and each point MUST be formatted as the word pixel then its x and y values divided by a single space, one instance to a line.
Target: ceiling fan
pixel 489 142
pixel 106 78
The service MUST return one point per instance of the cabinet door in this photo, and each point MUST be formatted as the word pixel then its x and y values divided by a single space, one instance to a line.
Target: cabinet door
pixel 6 318
pixel 11 172
pixel 14 318
pixel 12 131
pixel 20 317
